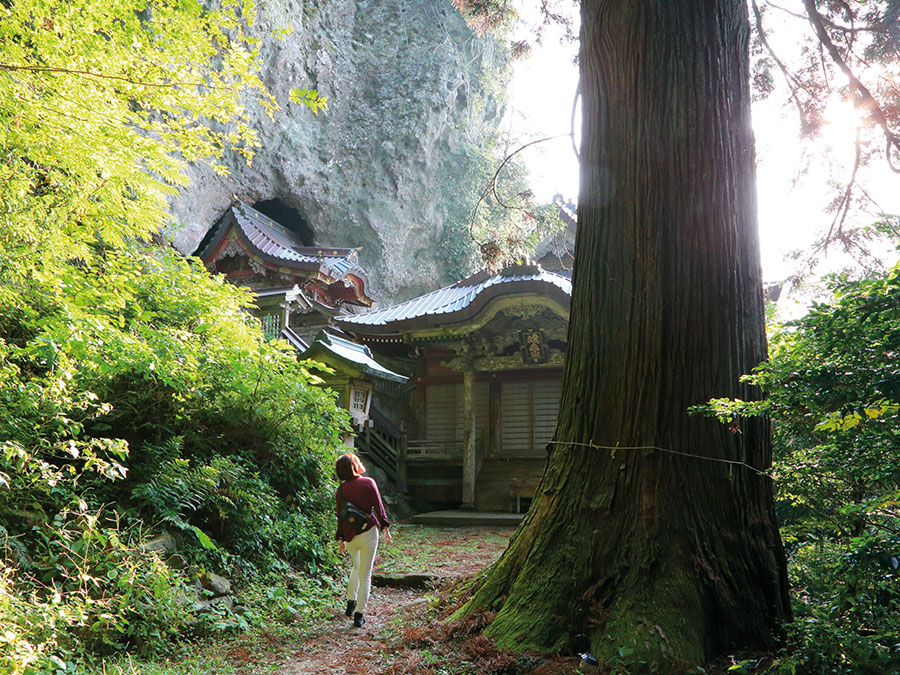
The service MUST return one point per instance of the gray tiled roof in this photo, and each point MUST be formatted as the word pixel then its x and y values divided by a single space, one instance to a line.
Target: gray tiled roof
pixel 458 296
pixel 277 241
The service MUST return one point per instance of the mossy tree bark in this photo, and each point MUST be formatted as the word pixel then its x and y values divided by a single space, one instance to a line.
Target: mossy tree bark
pixel 668 556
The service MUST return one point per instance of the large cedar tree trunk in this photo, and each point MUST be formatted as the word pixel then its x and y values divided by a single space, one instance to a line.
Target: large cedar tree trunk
pixel 666 556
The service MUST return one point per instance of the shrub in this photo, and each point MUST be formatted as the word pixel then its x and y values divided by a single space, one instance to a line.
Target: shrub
pixel 119 359
pixel 832 389
pixel 138 395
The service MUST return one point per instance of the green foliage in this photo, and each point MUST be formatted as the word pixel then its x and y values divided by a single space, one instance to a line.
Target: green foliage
pixel 279 610
pixel 142 385
pixel 102 103
pixel 311 98
pixel 832 388
pixel 90 587
pixel 137 393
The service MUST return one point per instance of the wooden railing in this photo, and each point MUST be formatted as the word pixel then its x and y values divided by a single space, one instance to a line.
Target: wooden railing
pixel 385 423
pixel 382 444
pixel 423 449
pixel 381 450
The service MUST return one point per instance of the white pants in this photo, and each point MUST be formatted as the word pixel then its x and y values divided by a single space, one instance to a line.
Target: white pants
pixel 362 550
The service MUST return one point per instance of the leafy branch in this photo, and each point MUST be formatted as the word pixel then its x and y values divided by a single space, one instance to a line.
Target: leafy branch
pixel 9 67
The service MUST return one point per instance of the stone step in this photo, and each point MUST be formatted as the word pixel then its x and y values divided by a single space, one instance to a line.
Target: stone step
pixel 406 580
pixel 466 518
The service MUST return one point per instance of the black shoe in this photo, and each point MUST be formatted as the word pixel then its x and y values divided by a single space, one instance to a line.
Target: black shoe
pixel 351 605
pixel 358 620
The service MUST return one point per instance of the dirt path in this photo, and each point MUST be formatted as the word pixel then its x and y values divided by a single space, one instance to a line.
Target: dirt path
pixel 400 636
pixel 341 649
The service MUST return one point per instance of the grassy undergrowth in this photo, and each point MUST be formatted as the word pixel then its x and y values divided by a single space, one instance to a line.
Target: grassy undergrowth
pixel 284 612
pixel 445 551
pixel 280 613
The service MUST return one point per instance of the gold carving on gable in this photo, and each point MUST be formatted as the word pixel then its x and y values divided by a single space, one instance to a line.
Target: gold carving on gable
pixel 524 311
pixel 534 347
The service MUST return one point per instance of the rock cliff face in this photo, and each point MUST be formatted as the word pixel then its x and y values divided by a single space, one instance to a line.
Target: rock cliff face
pixel 414 101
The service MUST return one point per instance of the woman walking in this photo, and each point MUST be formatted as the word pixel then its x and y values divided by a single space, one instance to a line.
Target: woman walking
pixel 361 492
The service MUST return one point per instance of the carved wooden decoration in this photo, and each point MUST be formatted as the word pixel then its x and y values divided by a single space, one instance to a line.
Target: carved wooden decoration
pixel 534 346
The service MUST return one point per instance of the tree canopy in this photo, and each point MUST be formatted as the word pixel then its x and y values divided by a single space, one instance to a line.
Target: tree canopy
pixel 102 103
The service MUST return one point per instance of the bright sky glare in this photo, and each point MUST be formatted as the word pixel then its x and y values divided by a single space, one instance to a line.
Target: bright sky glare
pixel 792 190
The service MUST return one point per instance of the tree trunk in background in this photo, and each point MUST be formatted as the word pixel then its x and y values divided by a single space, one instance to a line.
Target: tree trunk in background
pixel 667 556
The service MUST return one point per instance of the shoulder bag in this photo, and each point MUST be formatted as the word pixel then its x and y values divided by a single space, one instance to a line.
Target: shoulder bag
pixel 351 514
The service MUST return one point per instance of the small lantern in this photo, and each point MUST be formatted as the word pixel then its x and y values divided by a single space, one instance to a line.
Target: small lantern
pixel 360 400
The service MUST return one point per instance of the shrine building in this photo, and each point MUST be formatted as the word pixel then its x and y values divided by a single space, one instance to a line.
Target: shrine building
pixel 485 358
pixel 299 289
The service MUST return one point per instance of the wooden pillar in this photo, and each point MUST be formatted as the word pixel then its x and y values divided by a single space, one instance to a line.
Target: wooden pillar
pixel 495 421
pixel 469 457
pixel 401 463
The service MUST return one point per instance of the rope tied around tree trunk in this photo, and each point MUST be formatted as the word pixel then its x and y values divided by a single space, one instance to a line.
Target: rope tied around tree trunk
pixel 613 448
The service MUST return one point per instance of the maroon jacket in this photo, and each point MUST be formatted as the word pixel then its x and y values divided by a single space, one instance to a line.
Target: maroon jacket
pixel 363 493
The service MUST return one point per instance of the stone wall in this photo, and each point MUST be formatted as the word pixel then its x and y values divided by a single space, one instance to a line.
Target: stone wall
pixel 414 102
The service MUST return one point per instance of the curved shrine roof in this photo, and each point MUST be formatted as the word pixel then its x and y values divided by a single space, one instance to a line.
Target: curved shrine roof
pixel 461 300
pixel 276 245
pixel 356 355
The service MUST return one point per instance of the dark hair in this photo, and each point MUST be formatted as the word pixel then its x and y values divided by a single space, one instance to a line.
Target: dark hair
pixel 348 467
